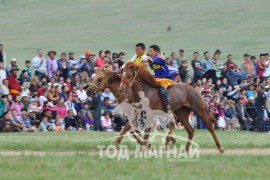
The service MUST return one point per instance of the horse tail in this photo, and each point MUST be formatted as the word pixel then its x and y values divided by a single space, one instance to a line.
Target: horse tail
pixel 197 100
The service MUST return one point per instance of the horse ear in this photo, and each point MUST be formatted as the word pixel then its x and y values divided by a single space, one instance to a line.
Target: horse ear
pixel 106 68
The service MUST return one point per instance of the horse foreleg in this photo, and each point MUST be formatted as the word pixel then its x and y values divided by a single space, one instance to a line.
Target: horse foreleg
pixel 146 136
pixel 122 134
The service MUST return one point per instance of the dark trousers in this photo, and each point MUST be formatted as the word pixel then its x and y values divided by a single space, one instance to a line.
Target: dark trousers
pixel 39 75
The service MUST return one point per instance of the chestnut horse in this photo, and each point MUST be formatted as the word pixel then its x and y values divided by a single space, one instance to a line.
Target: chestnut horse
pixel 184 98
pixel 106 78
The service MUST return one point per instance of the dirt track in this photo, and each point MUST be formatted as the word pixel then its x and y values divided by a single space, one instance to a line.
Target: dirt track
pixel 257 151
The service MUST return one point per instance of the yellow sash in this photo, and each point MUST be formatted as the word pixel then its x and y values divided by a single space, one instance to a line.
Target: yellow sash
pixel 164 82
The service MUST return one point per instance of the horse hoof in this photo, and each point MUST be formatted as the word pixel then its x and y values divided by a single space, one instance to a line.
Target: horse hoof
pixel 116 144
pixel 173 140
pixel 221 150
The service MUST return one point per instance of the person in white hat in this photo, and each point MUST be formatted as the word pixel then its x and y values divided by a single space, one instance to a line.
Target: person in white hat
pixel 13 63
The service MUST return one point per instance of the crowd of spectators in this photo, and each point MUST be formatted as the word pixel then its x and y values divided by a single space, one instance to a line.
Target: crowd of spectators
pixel 53 97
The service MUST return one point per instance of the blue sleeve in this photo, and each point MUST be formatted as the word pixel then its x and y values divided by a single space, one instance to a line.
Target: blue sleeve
pixel 159 61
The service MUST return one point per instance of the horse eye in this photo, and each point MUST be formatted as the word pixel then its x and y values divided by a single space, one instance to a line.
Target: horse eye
pixel 99 79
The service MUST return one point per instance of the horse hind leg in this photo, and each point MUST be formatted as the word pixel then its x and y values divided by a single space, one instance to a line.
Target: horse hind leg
pixel 122 134
pixel 184 114
pixel 208 120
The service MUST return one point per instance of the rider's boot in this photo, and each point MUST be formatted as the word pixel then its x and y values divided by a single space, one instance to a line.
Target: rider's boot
pixel 166 100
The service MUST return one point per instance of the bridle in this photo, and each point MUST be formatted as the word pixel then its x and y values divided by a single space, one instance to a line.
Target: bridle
pixel 130 84
pixel 98 88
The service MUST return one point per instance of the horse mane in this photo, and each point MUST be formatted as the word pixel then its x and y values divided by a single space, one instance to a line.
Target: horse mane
pixel 143 73
pixel 113 77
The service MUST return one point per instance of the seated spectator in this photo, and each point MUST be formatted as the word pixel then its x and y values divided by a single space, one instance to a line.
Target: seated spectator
pixel 70 124
pixel 27 123
pixel 5 123
pixel 53 82
pixel 61 108
pixel 59 122
pixel 81 93
pixel 68 83
pixel 183 71
pixel 52 96
pixel 70 105
pixel 106 122
pixel 250 91
pixel 221 115
pixel 45 125
pixel 33 106
pixel 33 119
pixel 3 74
pixel 242 114
pixel 251 109
pixel 43 98
pixel 48 106
pixel 3 104
pixel 18 125
pixel 231 117
pixel 34 85
pixel 80 121
pixel 44 86
pixel 25 90
pixel 24 78
pixel 76 81
pixel 78 105
pixel 4 88
pixel 106 106
pixel 174 60
pixel 89 121
pixel 17 105
pixel 107 93
pixel 170 65
pixel 14 86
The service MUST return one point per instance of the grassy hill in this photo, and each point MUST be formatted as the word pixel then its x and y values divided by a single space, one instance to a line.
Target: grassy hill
pixel 76 25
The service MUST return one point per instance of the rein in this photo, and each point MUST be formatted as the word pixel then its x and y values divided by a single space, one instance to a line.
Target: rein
pixel 130 84
pixel 98 88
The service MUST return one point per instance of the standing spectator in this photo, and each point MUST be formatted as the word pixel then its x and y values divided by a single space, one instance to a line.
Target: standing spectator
pixel 99 60
pixel 61 108
pixel 217 66
pixel 3 73
pixel 183 71
pixel 181 57
pixel 52 65
pixel 72 60
pixel 233 75
pixel 262 66
pixel 231 116
pixel 5 123
pixel 3 55
pixel 108 54
pixel 70 121
pixel 14 86
pixel 5 87
pixel 256 66
pixel 121 59
pixel 27 68
pixel 96 107
pixel 206 62
pixel 197 67
pixel 229 61
pixel 174 61
pixel 107 93
pixel 248 67
pixel 266 72
pixel 40 64
pixel 218 52
pixel 13 64
pixel 91 63
pixel 260 108
pixel 64 66
pixel 81 93
pixel 221 115
pixel 242 114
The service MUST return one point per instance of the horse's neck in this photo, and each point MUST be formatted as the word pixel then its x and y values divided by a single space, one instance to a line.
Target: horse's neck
pixel 114 87
pixel 145 87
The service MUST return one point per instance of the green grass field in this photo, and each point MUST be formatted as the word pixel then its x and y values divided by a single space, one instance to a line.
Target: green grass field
pixel 233 26
pixel 86 164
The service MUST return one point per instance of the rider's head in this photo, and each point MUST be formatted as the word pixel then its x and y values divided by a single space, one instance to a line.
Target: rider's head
pixel 154 50
pixel 140 49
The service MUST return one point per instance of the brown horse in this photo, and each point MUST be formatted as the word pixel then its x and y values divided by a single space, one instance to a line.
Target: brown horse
pixel 184 98
pixel 106 78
